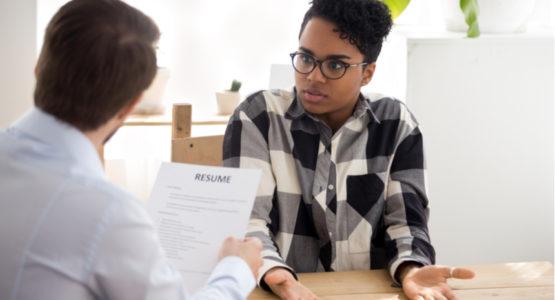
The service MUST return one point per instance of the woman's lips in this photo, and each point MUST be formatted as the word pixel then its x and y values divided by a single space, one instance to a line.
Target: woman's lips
pixel 313 96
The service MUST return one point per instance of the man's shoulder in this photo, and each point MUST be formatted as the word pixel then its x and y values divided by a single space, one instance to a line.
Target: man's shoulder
pixel 102 197
pixel 266 102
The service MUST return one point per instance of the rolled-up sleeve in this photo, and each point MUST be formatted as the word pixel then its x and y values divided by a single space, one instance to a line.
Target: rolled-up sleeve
pixel 246 146
pixel 406 210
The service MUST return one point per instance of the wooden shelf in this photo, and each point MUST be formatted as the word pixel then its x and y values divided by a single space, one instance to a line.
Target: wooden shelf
pixel 166 120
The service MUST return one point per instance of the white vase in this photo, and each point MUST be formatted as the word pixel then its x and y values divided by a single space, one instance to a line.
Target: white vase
pixel 153 97
pixel 495 16
pixel 227 102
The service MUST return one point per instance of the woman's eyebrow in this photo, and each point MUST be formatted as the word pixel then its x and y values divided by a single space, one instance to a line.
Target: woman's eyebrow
pixel 331 56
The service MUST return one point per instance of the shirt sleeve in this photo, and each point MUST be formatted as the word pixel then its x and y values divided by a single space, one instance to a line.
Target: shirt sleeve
pixel 406 209
pixel 129 263
pixel 246 146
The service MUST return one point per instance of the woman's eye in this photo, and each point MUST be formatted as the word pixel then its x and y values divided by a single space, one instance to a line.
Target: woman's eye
pixel 306 59
pixel 335 65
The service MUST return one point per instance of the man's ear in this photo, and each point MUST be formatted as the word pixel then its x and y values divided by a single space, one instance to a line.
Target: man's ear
pixel 368 73
pixel 126 110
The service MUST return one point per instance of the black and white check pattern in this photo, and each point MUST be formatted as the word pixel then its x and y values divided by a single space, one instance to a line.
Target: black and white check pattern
pixel 353 199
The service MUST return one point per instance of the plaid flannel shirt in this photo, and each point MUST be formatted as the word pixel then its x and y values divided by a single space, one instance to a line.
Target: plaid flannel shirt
pixel 350 200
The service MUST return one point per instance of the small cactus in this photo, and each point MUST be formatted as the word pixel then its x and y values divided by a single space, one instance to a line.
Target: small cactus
pixel 235 86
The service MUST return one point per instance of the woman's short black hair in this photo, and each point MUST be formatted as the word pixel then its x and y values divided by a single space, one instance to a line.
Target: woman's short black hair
pixel 364 23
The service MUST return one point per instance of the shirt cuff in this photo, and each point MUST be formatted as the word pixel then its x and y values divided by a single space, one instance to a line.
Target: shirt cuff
pixel 238 270
pixel 267 265
pixel 421 260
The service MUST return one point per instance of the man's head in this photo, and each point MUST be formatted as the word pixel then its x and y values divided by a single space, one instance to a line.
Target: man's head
pixel 97 58
pixel 348 36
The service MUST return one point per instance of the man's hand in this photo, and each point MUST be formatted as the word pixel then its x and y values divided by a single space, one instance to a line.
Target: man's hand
pixel 286 286
pixel 430 282
pixel 248 249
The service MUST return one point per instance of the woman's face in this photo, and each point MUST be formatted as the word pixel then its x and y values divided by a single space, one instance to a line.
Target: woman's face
pixel 331 100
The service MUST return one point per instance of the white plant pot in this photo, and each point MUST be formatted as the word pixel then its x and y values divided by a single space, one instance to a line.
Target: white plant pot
pixel 153 97
pixel 227 102
pixel 495 16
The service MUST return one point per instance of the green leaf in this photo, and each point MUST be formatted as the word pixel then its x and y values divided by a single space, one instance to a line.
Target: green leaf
pixel 235 85
pixel 396 6
pixel 471 10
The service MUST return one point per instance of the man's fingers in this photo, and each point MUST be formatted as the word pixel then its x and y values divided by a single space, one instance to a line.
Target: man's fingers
pixel 462 273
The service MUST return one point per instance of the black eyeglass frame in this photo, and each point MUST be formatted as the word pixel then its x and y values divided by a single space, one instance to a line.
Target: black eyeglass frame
pixel 319 63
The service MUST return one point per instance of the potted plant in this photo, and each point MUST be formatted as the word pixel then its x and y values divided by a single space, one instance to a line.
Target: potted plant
pixel 494 16
pixel 229 99
pixel 469 9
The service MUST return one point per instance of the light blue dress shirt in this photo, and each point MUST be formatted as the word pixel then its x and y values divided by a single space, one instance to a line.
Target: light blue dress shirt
pixel 67 233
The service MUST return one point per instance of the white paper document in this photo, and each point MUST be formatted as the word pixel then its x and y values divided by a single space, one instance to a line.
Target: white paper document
pixel 195 208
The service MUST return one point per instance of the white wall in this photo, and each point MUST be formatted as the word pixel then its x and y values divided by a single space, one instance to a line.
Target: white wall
pixel 486 110
pixel 17 58
pixel 207 44
pixel 429 12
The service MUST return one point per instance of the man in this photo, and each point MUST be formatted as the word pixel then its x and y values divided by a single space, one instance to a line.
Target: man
pixel 66 232
pixel 343 185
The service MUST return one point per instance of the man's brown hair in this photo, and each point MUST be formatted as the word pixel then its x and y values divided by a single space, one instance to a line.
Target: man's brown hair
pixel 97 57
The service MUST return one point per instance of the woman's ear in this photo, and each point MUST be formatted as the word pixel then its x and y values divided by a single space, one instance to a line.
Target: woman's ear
pixel 368 73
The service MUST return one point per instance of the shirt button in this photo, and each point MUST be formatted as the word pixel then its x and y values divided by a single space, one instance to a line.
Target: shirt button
pixel 331 234
pixel 330 187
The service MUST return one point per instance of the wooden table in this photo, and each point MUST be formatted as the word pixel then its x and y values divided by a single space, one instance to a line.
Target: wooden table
pixel 527 280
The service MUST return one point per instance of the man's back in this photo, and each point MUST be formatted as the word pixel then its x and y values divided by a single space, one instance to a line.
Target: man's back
pixel 66 233
pixel 60 222
pixel 25 195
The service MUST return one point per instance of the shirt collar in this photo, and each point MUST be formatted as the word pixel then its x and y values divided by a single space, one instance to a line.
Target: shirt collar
pixel 62 137
pixel 296 109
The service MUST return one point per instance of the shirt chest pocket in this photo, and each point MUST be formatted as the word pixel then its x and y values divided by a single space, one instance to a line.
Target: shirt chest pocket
pixel 364 209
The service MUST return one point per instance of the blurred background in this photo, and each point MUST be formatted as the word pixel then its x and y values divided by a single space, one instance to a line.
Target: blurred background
pixel 485 105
